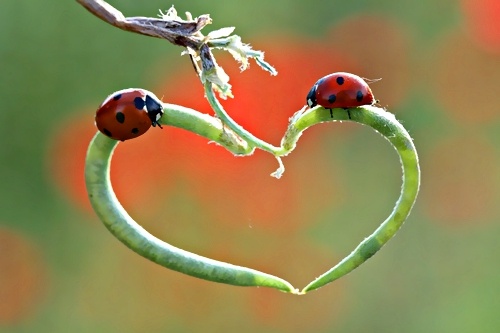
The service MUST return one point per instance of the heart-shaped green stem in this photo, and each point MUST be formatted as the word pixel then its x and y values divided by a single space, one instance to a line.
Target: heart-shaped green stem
pixel 386 124
pixel 381 121
pixel 123 227
pixel 129 232
pixel 236 139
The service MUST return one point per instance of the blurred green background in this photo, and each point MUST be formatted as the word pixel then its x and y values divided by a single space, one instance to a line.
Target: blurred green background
pixel 61 270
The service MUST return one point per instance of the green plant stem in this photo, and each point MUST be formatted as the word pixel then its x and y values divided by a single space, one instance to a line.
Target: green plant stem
pixel 386 124
pixel 130 233
pixel 206 126
pixel 240 142
pixel 251 139
pixel 226 119
pixel 374 117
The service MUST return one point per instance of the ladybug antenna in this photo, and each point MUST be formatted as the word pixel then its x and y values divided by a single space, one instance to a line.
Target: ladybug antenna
pixel 370 81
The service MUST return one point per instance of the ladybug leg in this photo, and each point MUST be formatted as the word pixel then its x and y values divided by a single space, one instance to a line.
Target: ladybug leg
pixel 156 123
pixel 348 112
pixel 331 113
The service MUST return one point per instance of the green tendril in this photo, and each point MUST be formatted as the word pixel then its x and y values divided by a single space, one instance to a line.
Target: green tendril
pixel 243 133
pixel 206 126
pixel 381 121
pixel 227 120
pixel 130 233
pixel 226 132
pixel 240 142
pixel 386 124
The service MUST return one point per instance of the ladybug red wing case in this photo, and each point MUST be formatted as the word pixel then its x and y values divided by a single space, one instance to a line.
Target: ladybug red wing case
pixel 128 113
pixel 340 90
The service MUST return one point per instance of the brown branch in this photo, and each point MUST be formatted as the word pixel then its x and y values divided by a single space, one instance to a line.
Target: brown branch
pixel 186 33
pixel 176 31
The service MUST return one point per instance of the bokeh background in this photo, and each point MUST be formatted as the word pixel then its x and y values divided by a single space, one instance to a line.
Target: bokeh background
pixel 61 270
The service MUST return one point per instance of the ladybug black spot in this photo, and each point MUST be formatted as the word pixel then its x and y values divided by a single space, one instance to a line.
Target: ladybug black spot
pixel 120 117
pixel 135 130
pixel 332 99
pixel 117 97
pixel 107 132
pixel 340 80
pixel 139 103
pixel 359 96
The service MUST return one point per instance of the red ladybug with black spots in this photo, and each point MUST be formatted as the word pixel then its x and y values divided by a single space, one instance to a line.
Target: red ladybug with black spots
pixel 128 113
pixel 340 90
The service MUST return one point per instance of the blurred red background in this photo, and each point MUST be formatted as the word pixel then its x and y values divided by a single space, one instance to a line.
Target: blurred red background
pixel 439 64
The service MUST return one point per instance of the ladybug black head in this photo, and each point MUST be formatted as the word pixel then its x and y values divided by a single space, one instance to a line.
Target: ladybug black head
pixel 155 110
pixel 311 97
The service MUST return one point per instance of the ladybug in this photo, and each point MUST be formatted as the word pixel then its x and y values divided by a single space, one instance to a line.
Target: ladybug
pixel 128 113
pixel 340 90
